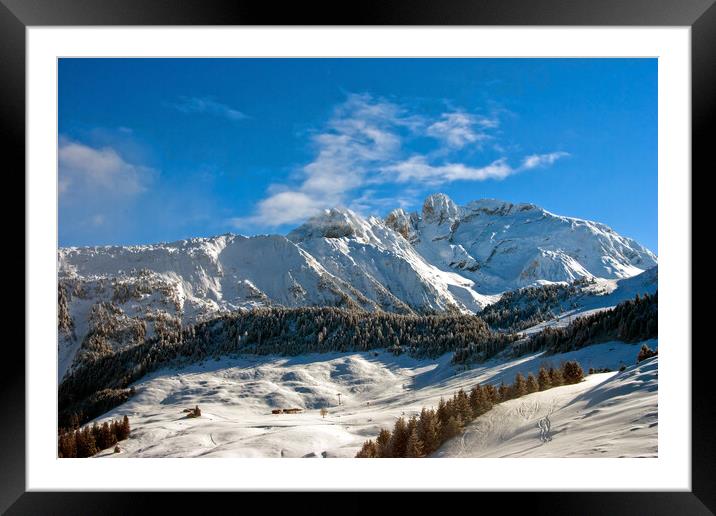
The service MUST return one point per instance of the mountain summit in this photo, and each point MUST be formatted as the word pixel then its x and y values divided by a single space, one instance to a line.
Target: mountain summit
pixel 501 246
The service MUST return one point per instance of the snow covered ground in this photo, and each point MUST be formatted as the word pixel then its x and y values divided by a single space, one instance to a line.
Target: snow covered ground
pixel 236 397
pixel 607 415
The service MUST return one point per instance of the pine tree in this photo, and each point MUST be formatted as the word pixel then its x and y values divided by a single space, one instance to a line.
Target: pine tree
pixel 532 385
pixel 543 379
pixel 503 392
pixel 368 451
pixel 96 433
pixel 67 447
pixel 519 387
pixel 442 412
pixel 555 377
pixel 492 395
pixel 462 406
pixel 86 444
pixel 106 439
pixel 453 428
pixel 572 372
pixel 124 429
pixel 475 399
pixel 382 443
pixel 399 438
pixel 414 447
pixel 429 430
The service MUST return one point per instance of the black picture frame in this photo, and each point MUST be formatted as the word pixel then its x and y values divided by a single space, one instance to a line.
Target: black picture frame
pixel 17 15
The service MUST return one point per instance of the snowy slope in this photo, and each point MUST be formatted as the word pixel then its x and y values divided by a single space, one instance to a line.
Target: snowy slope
pixel 380 263
pixel 188 281
pixel 606 415
pixel 236 396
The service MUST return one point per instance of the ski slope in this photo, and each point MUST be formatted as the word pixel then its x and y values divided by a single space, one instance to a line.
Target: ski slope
pixel 606 415
pixel 236 397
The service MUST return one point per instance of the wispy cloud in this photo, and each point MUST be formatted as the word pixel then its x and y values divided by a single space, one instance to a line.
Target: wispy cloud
pixel 208 105
pixel 417 168
pixel 458 129
pixel 361 148
pixel 542 160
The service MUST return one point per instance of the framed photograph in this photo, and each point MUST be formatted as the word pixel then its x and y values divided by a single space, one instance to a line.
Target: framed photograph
pixel 426 244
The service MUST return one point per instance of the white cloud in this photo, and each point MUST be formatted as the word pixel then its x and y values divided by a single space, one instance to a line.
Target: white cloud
pixel 101 193
pixel 84 171
pixel 209 106
pixel 457 129
pixel 541 160
pixel 417 168
pixel 280 208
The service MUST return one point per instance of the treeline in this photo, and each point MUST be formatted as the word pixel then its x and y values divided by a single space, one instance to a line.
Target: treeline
pixel 630 321
pixel 421 435
pixel 88 441
pixel 102 379
pixel 520 309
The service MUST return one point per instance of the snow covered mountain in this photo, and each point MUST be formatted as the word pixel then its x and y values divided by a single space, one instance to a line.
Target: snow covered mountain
pixel 445 258
pixel 502 246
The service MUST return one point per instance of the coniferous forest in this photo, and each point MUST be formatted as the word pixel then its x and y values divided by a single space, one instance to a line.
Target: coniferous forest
pixel 76 442
pixel 520 309
pixel 631 321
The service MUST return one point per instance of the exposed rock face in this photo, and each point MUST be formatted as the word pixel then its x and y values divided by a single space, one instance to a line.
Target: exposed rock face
pixel 439 209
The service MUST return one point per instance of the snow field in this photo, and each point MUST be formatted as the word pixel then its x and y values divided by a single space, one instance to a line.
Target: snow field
pixel 236 396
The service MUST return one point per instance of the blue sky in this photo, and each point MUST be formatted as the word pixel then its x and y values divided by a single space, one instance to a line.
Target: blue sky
pixel 163 149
